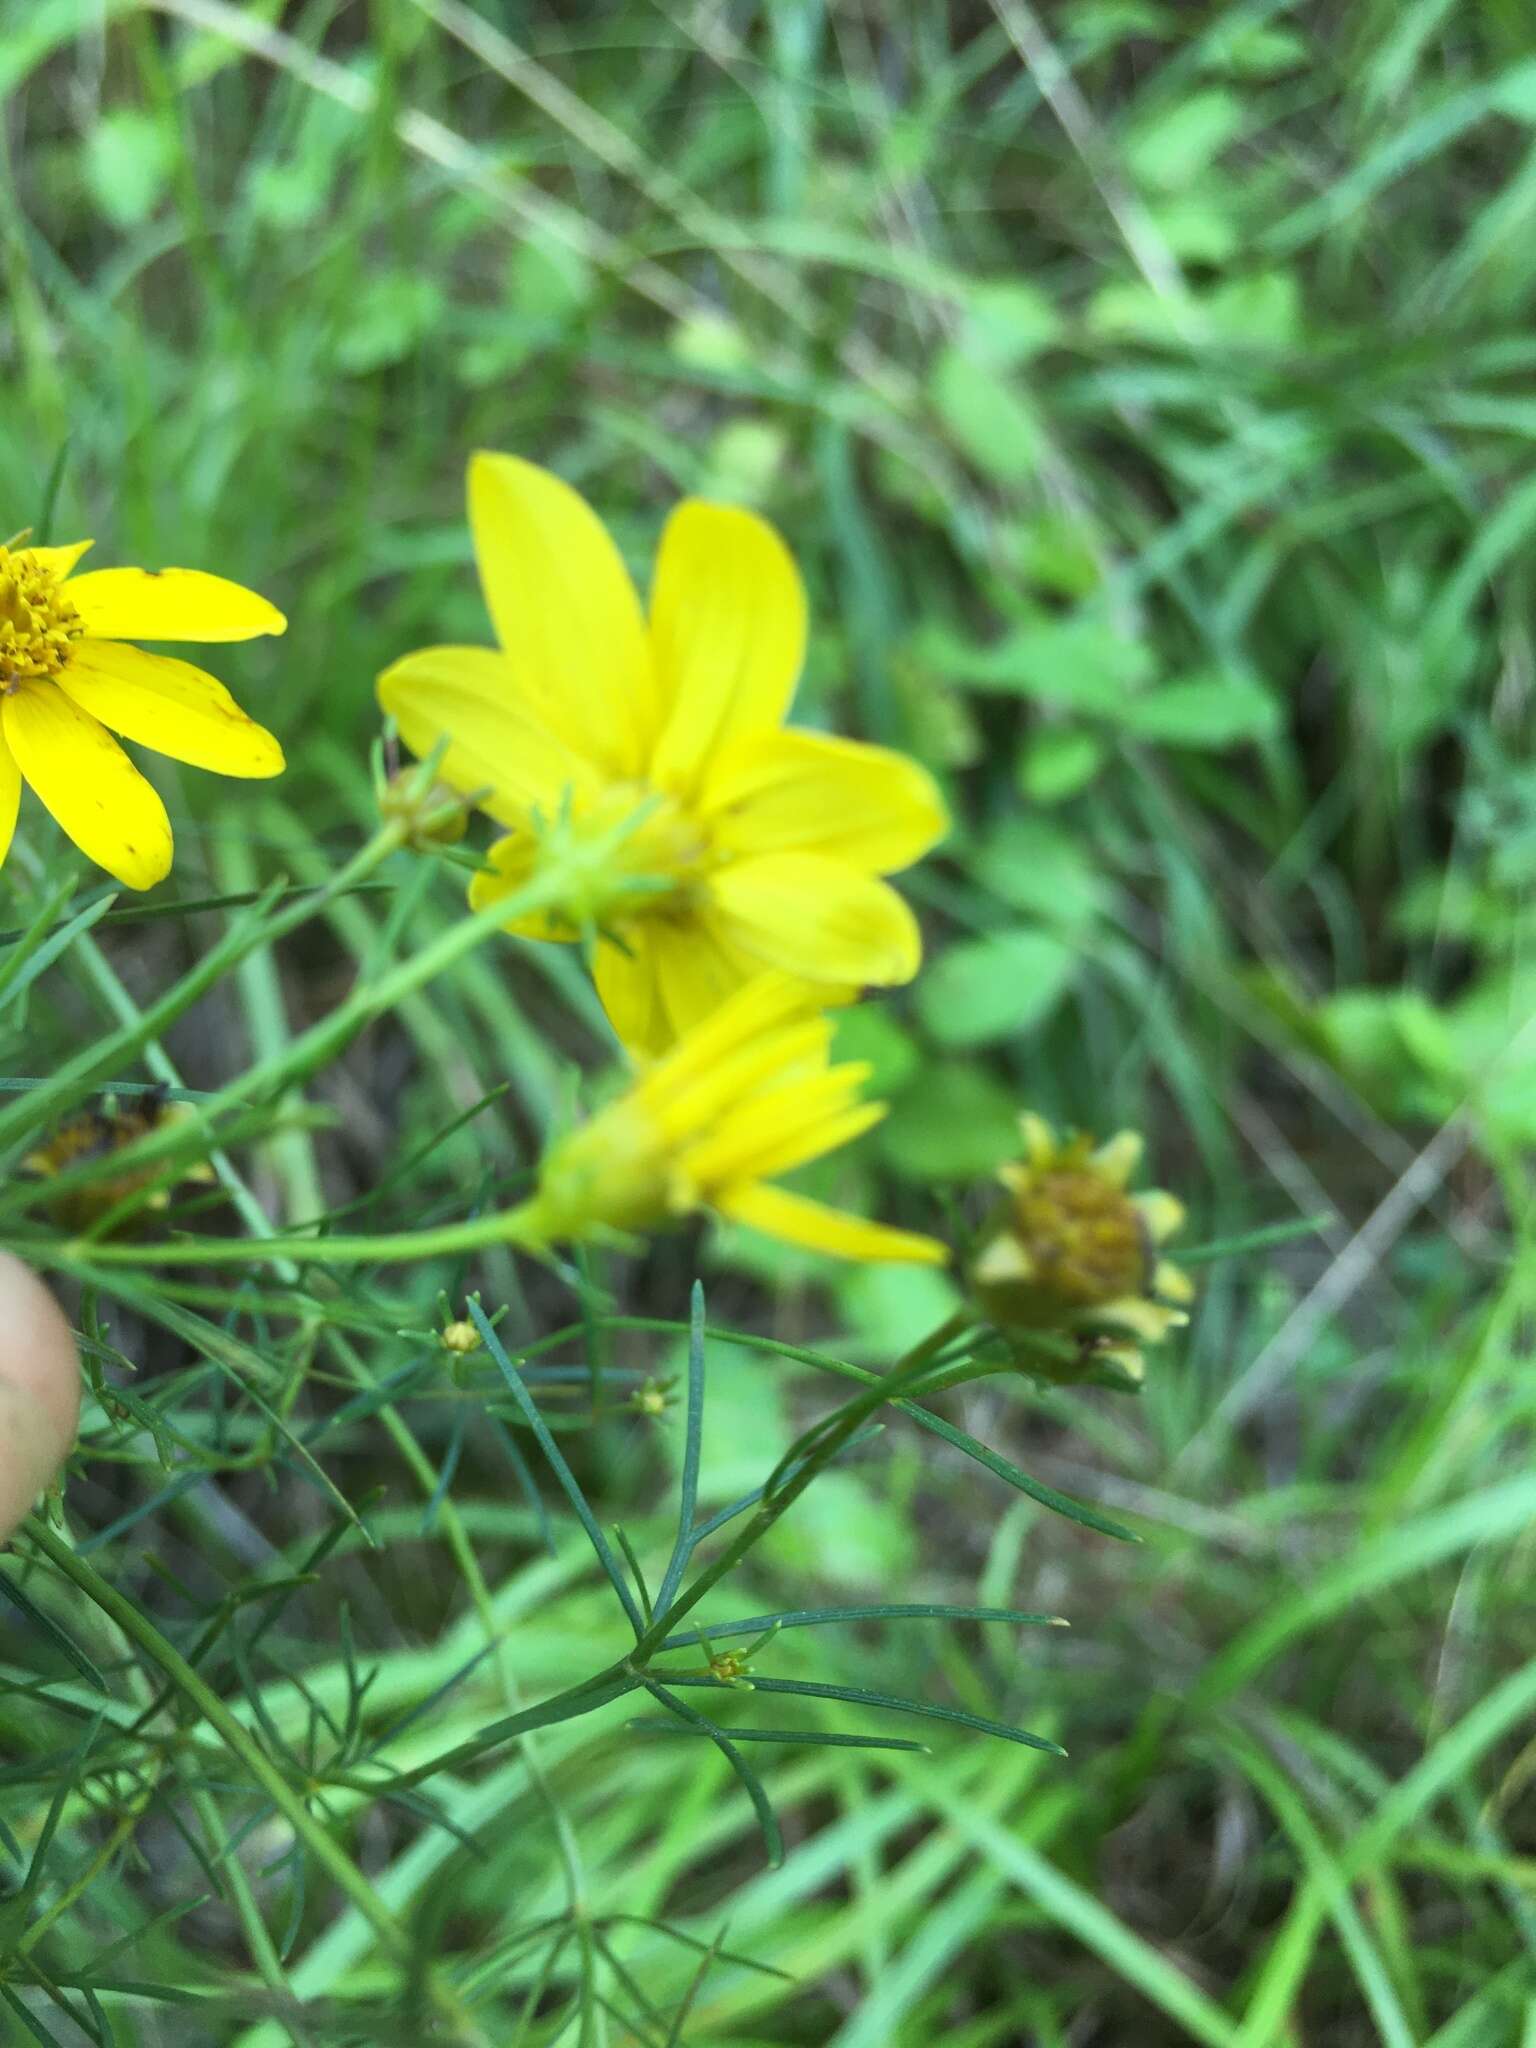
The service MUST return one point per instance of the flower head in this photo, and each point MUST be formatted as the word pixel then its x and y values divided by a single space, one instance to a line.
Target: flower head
pixel 1071 1250
pixel 68 682
pixel 768 844
pixel 93 1139
pixel 744 1096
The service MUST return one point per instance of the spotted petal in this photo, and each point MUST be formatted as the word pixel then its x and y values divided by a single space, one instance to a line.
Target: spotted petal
pixel 170 706
pixel 170 604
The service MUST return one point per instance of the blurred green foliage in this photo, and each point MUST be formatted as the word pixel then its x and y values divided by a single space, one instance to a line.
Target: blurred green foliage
pixel 1146 392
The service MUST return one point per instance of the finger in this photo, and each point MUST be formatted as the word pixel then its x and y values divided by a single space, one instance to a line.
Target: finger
pixel 39 1389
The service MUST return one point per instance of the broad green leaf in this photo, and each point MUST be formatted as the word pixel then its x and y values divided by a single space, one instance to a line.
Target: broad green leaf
pixel 1033 864
pixel 1080 663
pixel 956 1123
pixel 1009 321
pixel 128 159
pixel 869 1032
pixel 982 990
pixel 1059 761
pixel 1173 147
pixel 991 422
pixel 1215 709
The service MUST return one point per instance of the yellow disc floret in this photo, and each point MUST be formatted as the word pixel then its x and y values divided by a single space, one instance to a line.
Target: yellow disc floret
pixel 1072 1250
pixel 38 623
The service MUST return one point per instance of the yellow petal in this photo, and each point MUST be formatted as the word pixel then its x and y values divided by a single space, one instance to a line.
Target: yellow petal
pixel 1162 1213
pixel 696 969
pixel 170 604
pixel 470 697
pixel 58 561
pixel 806 792
pixel 10 798
pixel 89 784
pixel 564 609
pixel 818 919
pixel 628 991
pixel 796 1219
pixel 728 622
pixel 792 1127
pixel 512 862
pixel 170 706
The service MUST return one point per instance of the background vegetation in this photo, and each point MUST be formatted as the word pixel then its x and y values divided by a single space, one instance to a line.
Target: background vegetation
pixel 1146 391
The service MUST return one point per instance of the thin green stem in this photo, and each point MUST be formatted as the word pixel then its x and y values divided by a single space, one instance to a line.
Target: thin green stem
pixel 257 1764
pixel 625 1674
pixel 508 1226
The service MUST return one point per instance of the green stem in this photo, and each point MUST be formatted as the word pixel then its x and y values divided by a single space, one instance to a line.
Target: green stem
pixel 100 1062
pixel 624 1675
pixel 508 1226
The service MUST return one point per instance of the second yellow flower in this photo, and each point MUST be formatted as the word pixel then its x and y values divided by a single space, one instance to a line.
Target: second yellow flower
pixel 769 845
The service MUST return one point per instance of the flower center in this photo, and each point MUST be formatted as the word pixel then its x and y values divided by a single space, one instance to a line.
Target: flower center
pixel 1085 1240
pixel 38 624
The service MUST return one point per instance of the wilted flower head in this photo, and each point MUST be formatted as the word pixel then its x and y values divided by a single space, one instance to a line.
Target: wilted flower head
pixel 93 1139
pixel 1071 1250
pixel 744 1096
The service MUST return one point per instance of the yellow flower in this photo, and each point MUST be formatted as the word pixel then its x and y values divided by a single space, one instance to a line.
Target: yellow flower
pixel 744 1096
pixel 67 683
pixel 1071 1250
pixel 770 844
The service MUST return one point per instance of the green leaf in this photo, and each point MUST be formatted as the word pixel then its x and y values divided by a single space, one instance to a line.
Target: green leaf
pixel 987 989
pixel 387 320
pixel 562 1471
pixel 1008 322
pixel 688 1490
pixel 1174 147
pixel 861 1696
pixel 1058 762
pixel 128 159
pixel 788 1737
pixel 901 1610
pixel 1214 709
pixel 1033 864
pixel 883 1305
pixel 869 1032
pixel 958 1123
pixel 991 423
pixel 1081 663
pixel 1253 49
pixel 1260 311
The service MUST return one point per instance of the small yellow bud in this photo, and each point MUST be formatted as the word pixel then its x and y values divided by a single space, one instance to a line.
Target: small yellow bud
pixel 461 1337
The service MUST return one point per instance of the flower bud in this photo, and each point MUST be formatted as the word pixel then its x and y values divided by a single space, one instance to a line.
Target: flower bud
pixel 431 812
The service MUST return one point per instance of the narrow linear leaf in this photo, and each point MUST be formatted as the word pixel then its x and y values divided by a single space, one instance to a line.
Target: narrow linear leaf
pixel 860 1696
pixel 903 1610
pixel 767 1819
pixel 562 1471
pixel 688 1501
pixel 816 1738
